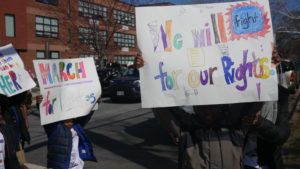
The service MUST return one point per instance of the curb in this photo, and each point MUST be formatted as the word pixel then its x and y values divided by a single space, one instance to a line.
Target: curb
pixel 33 166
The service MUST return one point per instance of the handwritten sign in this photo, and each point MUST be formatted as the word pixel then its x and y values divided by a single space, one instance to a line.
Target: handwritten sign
pixel 70 88
pixel 14 79
pixel 206 54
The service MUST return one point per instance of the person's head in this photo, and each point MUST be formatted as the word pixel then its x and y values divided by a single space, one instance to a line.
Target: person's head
pixel 276 59
pixel 69 123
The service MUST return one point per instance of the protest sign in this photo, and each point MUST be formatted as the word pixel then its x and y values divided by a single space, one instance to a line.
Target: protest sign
pixel 206 54
pixel 14 79
pixel 70 88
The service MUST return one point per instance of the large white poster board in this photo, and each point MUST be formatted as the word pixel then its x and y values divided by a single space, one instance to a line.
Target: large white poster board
pixel 206 54
pixel 14 79
pixel 70 88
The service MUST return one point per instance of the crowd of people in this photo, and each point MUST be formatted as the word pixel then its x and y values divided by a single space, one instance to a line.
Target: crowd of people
pixel 227 136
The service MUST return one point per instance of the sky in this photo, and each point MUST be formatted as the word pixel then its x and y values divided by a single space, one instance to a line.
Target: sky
pixel 291 4
pixel 294 4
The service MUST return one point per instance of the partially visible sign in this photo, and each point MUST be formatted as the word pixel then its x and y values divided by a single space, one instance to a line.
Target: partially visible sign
pixel 14 79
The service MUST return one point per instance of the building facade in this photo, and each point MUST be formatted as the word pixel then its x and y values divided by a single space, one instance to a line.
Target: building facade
pixel 13 25
pixel 52 29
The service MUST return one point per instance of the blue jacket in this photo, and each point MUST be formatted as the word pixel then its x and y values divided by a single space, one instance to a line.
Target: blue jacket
pixel 60 145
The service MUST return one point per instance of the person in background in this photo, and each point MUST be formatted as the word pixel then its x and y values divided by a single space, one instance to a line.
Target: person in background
pixel 271 129
pixel 16 119
pixel 8 142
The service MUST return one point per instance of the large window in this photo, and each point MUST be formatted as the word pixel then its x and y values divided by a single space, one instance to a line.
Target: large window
pixel 51 2
pixel 124 18
pixel 46 27
pixel 9 25
pixel 124 40
pixel 124 59
pixel 92 36
pixel 92 10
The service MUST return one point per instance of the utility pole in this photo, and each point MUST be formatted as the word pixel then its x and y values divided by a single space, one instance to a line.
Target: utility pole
pixel 47 50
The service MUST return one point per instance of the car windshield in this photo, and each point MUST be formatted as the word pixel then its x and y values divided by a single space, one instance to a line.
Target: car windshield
pixel 287 66
pixel 131 72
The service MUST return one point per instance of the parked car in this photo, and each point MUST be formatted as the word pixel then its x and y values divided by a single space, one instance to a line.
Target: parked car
pixel 126 87
pixel 105 76
pixel 289 74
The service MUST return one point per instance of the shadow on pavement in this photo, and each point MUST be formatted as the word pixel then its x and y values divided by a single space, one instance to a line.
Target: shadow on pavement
pixel 134 153
pixel 151 132
pixel 123 101
pixel 35 146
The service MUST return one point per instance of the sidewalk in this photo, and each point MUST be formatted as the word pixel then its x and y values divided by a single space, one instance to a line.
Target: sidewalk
pixel 33 166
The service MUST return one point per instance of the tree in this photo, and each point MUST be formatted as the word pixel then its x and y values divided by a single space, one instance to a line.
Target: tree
pixel 95 25
pixel 286 23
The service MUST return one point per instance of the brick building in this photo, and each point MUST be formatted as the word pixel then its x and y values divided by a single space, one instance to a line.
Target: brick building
pixel 13 25
pixel 41 29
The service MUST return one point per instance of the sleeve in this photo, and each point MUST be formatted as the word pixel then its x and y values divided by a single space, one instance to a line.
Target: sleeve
pixel 187 121
pixel 84 119
pixel 280 131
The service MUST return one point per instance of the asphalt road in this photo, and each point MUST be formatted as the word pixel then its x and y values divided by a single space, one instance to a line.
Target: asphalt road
pixel 124 136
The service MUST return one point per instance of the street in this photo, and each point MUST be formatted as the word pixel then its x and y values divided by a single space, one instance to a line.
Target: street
pixel 124 136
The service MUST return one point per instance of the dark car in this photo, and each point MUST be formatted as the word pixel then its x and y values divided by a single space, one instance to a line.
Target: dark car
pixel 126 87
pixel 105 76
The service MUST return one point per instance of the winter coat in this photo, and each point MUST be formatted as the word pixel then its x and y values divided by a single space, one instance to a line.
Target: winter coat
pixel 271 137
pixel 11 145
pixel 210 146
pixel 14 117
pixel 60 144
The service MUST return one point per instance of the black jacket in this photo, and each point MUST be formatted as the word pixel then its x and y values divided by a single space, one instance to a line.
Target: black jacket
pixel 272 136
pixel 11 145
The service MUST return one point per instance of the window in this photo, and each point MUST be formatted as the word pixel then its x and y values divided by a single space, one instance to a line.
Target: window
pixel 124 18
pixel 96 58
pixel 54 55
pixel 124 40
pixel 46 27
pixel 51 2
pixel 91 36
pixel 40 55
pixel 9 25
pixel 124 59
pixel 92 10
